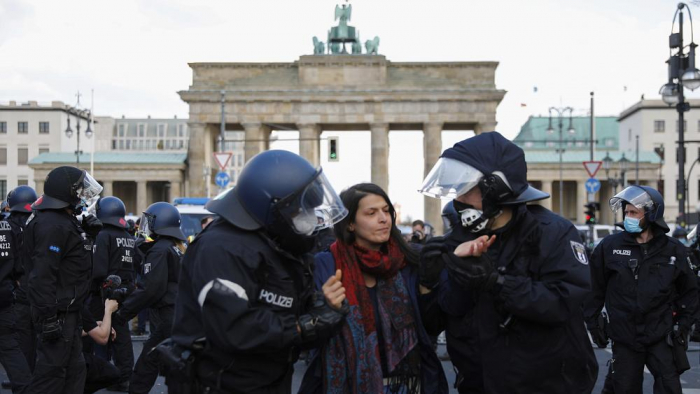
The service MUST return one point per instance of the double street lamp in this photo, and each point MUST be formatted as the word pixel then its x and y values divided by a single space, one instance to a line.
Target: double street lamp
pixel 561 112
pixel 622 165
pixel 681 74
pixel 79 114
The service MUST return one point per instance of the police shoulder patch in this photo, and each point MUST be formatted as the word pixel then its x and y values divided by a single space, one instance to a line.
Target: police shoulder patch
pixel 579 252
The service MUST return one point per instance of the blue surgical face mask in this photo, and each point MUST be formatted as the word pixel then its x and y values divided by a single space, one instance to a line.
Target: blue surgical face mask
pixel 632 225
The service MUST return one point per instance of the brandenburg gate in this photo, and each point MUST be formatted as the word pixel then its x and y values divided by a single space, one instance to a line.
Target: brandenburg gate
pixel 336 90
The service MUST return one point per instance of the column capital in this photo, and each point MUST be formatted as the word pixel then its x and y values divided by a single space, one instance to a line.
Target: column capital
pixel 432 125
pixel 309 126
pixel 251 125
pixel 379 126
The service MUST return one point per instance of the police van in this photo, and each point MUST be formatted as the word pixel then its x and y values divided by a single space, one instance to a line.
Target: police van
pixel 192 212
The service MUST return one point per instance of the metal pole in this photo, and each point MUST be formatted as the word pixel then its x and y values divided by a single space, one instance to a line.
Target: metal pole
pixel 592 127
pixel 681 130
pixel 77 152
pixel 636 162
pixel 223 121
pixel 561 168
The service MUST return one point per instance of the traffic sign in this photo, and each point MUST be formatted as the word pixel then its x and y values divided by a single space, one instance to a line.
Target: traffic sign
pixel 592 185
pixel 592 167
pixel 222 159
pixel 222 179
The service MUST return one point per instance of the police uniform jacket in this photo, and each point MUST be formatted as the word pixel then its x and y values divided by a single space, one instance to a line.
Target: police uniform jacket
pixel 530 329
pixel 58 259
pixel 160 273
pixel 639 283
pixel 244 294
pixel 114 255
pixel 17 221
pixel 7 263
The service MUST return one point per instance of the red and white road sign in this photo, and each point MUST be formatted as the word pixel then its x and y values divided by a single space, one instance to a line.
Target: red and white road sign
pixel 592 167
pixel 222 159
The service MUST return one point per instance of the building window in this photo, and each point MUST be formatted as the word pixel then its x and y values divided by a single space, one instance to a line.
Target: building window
pixel 121 145
pixel 142 131
pixel 22 156
pixel 22 182
pixel 3 127
pixel 685 125
pixel 659 126
pixel 181 130
pixel 3 160
pixel 122 129
pixel 43 127
pixel 22 127
pixel 661 188
pixel 3 187
pixel 43 150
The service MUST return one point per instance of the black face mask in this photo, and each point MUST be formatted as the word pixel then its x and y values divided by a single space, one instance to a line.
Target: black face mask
pixel 288 239
pixel 460 206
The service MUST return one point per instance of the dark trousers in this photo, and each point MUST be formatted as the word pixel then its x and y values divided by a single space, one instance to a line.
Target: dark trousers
pixel 628 369
pixel 25 333
pixel 147 366
pixel 123 351
pixel 60 366
pixel 11 356
pixel 100 374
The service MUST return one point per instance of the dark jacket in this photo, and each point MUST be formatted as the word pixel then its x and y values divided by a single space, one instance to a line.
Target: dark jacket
pixel 18 220
pixel 640 302
pixel 530 330
pixel 159 278
pixel 244 294
pixel 432 375
pixel 8 256
pixel 114 255
pixel 58 259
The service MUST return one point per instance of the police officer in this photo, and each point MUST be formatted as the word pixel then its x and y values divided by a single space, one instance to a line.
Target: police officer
pixel 160 223
pixel 516 277
pixel 114 255
pixel 58 258
pixel 247 283
pixel 20 202
pixel 11 355
pixel 642 277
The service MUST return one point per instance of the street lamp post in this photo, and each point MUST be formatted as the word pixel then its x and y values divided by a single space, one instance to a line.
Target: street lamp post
pixel 614 181
pixel 561 112
pixel 79 113
pixel 681 74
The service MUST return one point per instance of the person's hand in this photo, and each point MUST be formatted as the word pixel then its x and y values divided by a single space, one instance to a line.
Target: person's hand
pixel 472 272
pixel 598 335
pixel 321 318
pixel 475 247
pixel 333 290
pixel 431 262
pixel 111 305
pixel 91 225
pixel 113 334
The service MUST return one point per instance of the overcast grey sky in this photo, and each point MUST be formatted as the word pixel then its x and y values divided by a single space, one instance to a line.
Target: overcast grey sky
pixel 134 54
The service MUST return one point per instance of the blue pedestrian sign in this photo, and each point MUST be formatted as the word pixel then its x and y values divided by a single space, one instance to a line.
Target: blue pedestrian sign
pixel 222 179
pixel 592 185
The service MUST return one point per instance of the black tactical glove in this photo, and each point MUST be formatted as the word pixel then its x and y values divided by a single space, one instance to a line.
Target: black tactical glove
pixel 51 329
pixel 431 262
pixel 598 335
pixel 91 225
pixel 471 272
pixel 321 318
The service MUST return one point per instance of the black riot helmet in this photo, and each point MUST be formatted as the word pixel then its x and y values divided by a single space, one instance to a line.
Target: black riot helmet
pixel 642 197
pixel 488 161
pixel 21 199
pixel 161 218
pixel 68 187
pixel 111 210
pixel 284 195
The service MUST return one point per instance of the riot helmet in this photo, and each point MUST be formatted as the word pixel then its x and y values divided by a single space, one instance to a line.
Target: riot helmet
pixel 645 198
pixel 488 161
pixel 283 194
pixel 21 199
pixel 161 218
pixel 111 210
pixel 450 216
pixel 68 187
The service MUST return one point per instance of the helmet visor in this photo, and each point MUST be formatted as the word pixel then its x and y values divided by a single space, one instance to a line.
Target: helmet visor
pixel 449 179
pixel 632 195
pixel 146 225
pixel 313 208
pixel 88 190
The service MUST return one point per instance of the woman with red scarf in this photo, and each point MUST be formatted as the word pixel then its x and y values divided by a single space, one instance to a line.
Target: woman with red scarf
pixel 382 346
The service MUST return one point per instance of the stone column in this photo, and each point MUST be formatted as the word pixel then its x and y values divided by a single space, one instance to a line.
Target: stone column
pixel 141 196
pixel 257 138
pixel 197 157
pixel 310 143
pixel 547 188
pixel 380 154
pixel 107 188
pixel 581 200
pixel 485 127
pixel 432 148
pixel 39 187
pixel 175 190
